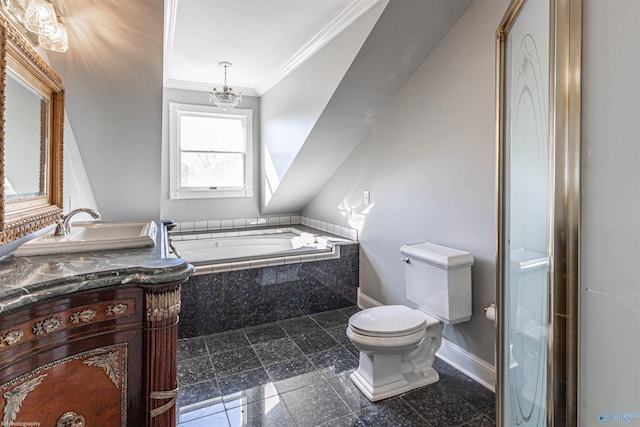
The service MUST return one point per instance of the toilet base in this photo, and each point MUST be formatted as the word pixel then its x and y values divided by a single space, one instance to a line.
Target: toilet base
pixel 392 366
pixel 409 382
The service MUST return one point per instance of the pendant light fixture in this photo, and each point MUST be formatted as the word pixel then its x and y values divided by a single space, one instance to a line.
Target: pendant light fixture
pixel 226 98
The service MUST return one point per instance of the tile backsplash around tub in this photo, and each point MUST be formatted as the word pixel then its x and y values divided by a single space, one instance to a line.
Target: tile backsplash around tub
pixel 271 221
pixel 237 223
pixel 338 230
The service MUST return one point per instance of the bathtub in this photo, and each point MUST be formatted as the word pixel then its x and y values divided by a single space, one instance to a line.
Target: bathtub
pixel 249 280
pixel 232 249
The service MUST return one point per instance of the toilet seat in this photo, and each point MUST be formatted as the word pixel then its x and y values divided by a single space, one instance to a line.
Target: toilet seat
pixel 389 321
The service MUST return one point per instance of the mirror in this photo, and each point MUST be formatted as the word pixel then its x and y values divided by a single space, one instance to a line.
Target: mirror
pixel 25 140
pixel 31 138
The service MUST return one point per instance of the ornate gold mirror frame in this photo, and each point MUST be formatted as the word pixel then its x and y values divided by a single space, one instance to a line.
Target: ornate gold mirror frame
pixel 26 215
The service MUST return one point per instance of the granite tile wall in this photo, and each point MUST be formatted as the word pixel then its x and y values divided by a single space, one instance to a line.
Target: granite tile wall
pixel 235 299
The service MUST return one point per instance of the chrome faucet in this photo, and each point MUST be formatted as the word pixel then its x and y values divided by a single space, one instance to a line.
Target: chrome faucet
pixel 64 223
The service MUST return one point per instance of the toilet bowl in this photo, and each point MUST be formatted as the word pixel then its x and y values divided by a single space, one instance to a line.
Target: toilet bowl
pixel 397 344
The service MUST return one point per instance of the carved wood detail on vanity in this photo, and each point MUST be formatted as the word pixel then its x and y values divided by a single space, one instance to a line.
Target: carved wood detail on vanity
pixel 162 306
pixel 160 339
pixel 46 326
pixel 63 320
pixel 116 309
pixel 11 337
pixel 84 316
pixel 38 396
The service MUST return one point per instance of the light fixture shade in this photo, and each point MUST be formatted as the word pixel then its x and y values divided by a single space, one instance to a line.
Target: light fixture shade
pixel 226 98
pixel 58 41
pixel 15 8
pixel 40 17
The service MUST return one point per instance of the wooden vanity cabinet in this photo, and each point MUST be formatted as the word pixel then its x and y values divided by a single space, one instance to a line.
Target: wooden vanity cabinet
pixel 103 357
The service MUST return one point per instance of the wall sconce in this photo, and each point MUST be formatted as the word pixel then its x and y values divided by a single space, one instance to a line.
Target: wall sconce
pixel 39 21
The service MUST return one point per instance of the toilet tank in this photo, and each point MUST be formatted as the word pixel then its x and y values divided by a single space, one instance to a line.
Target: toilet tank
pixel 438 280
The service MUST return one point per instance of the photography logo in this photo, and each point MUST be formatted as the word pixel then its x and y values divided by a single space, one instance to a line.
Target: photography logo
pixel 621 418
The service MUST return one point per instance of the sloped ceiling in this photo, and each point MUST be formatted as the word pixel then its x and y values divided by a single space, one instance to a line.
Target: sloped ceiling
pixel 404 35
pixel 290 110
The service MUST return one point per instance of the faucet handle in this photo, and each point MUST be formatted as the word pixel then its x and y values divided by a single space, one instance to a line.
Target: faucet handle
pixel 60 228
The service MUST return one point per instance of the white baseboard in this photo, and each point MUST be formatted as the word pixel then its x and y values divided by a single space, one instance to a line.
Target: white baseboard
pixel 482 372
pixel 468 363
pixel 365 301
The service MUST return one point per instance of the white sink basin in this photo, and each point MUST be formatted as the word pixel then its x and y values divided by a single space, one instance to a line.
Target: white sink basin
pixel 93 237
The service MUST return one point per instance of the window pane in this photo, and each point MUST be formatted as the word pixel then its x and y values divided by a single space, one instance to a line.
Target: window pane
pixel 212 170
pixel 203 133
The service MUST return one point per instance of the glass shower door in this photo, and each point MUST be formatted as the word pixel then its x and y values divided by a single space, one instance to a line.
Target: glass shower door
pixel 525 213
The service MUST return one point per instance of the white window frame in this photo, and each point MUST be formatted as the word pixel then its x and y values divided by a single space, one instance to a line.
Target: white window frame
pixel 175 112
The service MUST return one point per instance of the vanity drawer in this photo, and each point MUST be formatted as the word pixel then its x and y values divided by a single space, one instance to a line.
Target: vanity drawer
pixel 57 353
pixel 63 319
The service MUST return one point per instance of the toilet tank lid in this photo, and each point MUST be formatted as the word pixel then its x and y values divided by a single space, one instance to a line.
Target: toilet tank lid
pixel 437 255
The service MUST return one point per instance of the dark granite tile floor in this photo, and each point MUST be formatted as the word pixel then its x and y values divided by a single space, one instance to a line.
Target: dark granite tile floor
pixel 296 373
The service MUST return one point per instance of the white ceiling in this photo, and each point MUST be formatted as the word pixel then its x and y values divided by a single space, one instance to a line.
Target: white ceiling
pixel 264 39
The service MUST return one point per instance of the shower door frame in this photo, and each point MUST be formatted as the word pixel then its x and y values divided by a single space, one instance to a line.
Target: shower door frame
pixel 565 37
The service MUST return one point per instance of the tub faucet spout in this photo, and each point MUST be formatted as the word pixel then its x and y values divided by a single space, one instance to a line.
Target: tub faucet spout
pixel 64 223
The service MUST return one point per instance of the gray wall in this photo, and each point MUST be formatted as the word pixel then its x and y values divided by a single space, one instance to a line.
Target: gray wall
pixel 610 235
pixel 112 73
pixel 77 188
pixel 430 166
pixel 203 209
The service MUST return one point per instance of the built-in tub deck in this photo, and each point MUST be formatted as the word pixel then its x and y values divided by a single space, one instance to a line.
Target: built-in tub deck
pixel 293 271
pixel 238 250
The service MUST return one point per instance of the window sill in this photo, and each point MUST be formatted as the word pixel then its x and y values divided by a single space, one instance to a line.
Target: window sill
pixel 217 194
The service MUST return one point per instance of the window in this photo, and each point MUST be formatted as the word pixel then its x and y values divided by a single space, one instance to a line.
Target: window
pixel 211 152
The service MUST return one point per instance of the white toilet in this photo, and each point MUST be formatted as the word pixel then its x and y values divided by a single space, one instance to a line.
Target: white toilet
pixel 397 344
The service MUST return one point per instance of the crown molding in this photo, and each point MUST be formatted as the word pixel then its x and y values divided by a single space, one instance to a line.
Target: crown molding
pixel 346 17
pixel 204 87
pixel 170 13
pixel 349 14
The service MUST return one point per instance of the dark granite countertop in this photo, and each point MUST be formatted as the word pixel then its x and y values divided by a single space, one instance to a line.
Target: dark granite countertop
pixel 27 280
